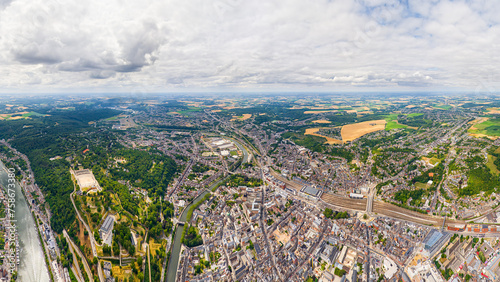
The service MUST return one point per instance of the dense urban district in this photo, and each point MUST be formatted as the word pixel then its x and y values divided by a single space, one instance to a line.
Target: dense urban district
pixel 293 187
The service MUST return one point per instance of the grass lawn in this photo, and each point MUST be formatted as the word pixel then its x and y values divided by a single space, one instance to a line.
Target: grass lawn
pixel 393 125
pixel 434 161
pixel 493 168
pixel 420 185
pixel 112 118
pixel 414 115
pixel 391 117
pixel 154 247
pixel 123 273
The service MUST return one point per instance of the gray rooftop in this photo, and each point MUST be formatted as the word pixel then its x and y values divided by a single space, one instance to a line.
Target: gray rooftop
pixel 311 191
pixel 107 225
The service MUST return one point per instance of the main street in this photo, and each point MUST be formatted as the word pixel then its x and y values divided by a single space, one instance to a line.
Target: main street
pixel 263 223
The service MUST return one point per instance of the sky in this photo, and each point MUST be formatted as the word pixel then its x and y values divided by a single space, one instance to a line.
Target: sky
pixel 236 45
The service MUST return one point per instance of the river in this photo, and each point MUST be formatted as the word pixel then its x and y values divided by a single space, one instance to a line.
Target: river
pixel 32 266
pixel 173 262
pixel 176 250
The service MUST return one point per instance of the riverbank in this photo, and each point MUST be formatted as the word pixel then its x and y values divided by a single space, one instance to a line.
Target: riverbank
pixel 32 266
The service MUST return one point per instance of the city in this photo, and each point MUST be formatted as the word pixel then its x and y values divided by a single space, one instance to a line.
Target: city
pixel 202 190
pixel 242 141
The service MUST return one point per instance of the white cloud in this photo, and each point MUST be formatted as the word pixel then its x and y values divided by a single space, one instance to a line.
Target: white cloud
pixel 170 45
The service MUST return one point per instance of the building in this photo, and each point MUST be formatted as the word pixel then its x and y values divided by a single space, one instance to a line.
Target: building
pixel 434 240
pixel 86 180
pixel 310 192
pixel 106 230
pixel 390 268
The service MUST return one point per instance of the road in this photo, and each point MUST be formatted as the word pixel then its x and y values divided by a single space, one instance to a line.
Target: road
pixel 80 254
pixel 75 266
pixel 91 237
pixel 263 223
pixel 149 262
pixel 182 178
pixel 310 251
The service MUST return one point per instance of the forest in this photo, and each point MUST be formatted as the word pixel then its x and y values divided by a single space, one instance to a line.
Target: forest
pixel 122 237
pixel 480 179
pixel 41 138
pixel 151 171
pixel 236 180
pixel 191 237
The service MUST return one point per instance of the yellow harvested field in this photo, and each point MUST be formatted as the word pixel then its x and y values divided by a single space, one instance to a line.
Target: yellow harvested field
pixel 216 111
pixel 329 140
pixel 319 112
pixel 10 116
pixel 365 112
pixel 244 117
pixel 477 135
pixel 321 121
pixel 493 111
pixel 410 106
pixel 477 121
pixel 353 131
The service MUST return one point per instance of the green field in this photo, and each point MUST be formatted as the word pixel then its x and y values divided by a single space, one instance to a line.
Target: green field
pixel 392 121
pixel 112 118
pixel 26 115
pixel 442 107
pixel 490 127
pixel 419 185
pixel 33 114
pixel 490 164
pixel 391 117
pixel 189 110
pixel 393 125
pixel 414 115
pixel 434 161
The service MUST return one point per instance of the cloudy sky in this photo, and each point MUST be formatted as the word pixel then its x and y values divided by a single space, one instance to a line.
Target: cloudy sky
pixel 202 45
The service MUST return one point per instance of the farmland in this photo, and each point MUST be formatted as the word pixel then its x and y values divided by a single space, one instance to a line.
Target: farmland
pixel 19 115
pixel 321 121
pixel 353 131
pixel 241 118
pixel 489 127
pixel 329 140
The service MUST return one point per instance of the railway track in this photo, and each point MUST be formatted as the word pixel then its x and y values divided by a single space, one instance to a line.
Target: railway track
pixel 386 209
